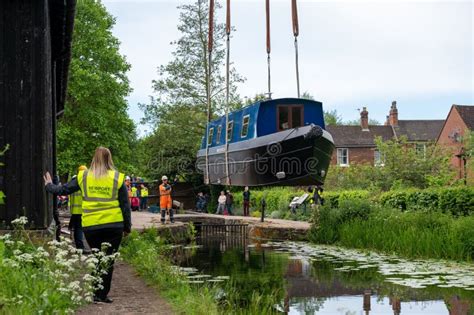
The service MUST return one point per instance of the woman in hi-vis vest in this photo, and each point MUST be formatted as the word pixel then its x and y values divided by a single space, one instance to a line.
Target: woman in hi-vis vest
pixel 106 210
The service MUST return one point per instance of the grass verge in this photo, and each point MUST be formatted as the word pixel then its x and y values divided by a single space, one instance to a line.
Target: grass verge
pixel 417 234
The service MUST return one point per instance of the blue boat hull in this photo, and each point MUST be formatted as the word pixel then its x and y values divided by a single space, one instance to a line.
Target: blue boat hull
pixel 299 156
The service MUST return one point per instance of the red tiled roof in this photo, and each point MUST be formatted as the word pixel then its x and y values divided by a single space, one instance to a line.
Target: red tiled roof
pixel 419 130
pixel 467 114
pixel 353 136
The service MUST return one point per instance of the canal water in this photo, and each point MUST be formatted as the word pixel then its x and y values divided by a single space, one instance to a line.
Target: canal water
pixel 303 278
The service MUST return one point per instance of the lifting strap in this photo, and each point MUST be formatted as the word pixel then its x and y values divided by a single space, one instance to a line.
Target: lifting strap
pixel 227 30
pixel 294 15
pixel 267 11
pixel 209 53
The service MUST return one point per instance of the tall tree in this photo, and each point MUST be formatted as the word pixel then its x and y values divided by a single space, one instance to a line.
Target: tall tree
pixel 177 110
pixel 356 122
pixel 96 108
pixel 332 117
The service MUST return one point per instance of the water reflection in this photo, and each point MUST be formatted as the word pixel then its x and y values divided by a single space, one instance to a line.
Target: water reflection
pixel 315 286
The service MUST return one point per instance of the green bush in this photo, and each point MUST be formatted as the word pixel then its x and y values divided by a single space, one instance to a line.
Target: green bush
pixel 453 200
pixel 277 199
pixel 333 198
pixel 328 220
pixel 457 201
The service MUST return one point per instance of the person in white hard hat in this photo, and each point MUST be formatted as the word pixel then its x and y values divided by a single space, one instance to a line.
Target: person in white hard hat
pixel 165 200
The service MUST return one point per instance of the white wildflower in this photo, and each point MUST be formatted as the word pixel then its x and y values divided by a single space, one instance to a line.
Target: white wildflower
pixel 20 221
pixel 75 285
pixel 5 237
pixel 89 278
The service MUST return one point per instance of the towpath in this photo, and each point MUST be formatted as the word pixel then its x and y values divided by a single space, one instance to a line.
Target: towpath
pixel 131 295
pixel 143 220
pixel 275 229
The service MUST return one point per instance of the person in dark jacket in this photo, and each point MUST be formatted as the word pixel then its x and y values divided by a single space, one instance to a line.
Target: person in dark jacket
pixel 229 202
pixel 106 209
pixel 246 199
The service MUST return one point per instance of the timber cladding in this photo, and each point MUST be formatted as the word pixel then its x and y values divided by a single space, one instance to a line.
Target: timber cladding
pixel 32 86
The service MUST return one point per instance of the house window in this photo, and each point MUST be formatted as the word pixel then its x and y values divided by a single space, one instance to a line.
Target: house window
pixel 343 157
pixel 230 128
pixel 421 149
pixel 209 137
pixel 245 126
pixel 289 116
pixel 378 158
pixel 219 132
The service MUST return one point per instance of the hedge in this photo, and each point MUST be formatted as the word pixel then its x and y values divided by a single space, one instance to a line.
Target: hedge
pixel 454 200
pixel 458 201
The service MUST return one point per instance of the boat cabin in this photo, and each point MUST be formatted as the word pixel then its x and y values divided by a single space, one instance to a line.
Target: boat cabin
pixel 263 118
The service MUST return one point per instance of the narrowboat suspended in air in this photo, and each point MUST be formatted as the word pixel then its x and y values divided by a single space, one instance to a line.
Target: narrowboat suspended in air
pixel 271 142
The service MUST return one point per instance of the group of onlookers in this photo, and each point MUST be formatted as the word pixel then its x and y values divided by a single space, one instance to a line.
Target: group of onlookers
pixel 137 193
pixel 225 202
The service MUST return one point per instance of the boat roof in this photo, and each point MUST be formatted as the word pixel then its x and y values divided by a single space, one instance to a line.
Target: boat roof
pixel 284 100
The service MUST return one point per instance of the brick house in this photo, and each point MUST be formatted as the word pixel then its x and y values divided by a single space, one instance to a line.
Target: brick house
pixel 460 119
pixel 356 144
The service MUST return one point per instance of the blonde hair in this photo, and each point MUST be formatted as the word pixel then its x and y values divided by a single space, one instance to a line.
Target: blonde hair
pixel 102 162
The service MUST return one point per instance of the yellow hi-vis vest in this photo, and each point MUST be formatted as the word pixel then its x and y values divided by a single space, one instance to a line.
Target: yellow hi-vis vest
pixel 100 203
pixel 134 192
pixel 144 192
pixel 75 203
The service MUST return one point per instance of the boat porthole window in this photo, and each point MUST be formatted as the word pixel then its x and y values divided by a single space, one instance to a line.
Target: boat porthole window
pixel 245 126
pixel 211 134
pixel 230 127
pixel 219 132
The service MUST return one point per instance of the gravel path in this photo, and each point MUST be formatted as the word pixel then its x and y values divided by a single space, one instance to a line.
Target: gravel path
pixel 131 295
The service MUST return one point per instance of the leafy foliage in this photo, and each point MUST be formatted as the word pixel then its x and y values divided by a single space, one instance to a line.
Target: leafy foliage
pixel 332 118
pixel 455 200
pixel 96 109
pixel 403 167
pixel 403 163
pixel 46 277
pixel 356 122
pixel 2 194
pixel 178 110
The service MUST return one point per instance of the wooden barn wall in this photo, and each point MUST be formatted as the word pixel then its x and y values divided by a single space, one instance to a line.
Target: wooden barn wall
pixel 26 107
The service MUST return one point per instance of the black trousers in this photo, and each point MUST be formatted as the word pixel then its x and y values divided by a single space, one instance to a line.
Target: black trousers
pixel 163 215
pixel 75 224
pixel 95 238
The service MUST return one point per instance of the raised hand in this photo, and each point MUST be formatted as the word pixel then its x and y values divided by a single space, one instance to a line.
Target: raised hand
pixel 47 179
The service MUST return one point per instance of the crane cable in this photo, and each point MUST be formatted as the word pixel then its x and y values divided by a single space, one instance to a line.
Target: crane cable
pixel 227 30
pixel 294 15
pixel 267 10
pixel 209 52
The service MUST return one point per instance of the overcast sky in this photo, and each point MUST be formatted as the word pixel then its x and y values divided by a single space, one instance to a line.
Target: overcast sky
pixel 352 53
